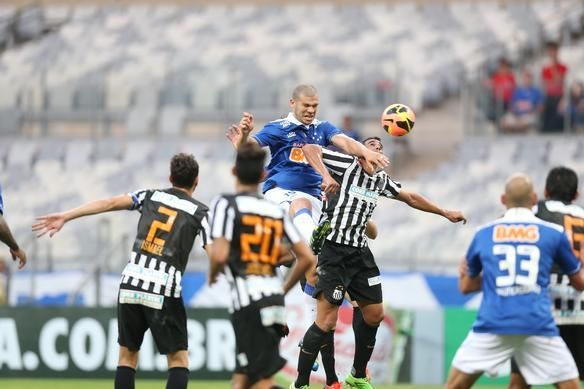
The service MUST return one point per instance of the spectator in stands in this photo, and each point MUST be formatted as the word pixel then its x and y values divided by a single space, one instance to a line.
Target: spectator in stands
pixel 525 106
pixel 573 106
pixel 553 75
pixel 502 84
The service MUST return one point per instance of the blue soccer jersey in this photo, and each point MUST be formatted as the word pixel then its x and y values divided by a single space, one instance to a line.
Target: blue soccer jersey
pixel 516 254
pixel 288 169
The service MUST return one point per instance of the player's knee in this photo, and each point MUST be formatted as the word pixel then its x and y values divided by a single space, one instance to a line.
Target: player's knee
pixel 178 359
pixel 128 358
pixel 373 317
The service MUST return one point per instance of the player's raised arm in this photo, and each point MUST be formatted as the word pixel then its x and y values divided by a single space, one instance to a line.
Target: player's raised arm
pixel 239 134
pixel 372 160
pixel 53 223
pixel 313 155
pixel 417 201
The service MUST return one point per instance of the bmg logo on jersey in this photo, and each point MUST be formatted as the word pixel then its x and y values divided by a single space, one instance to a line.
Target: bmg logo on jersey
pixel 338 293
pixel 516 233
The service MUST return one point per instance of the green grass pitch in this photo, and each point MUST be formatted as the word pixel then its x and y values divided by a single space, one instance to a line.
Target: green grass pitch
pixel 154 384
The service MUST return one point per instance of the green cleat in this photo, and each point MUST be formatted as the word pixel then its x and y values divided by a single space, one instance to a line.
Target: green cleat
pixel 318 236
pixel 360 383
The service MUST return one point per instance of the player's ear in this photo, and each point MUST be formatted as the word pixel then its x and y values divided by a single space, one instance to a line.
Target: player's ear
pixel 264 175
pixel 233 171
pixel 546 195
pixel 170 179
pixel 533 198
pixel 576 196
pixel 504 199
pixel 291 102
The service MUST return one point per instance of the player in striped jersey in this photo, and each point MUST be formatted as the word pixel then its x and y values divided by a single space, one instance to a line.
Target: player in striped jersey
pixel 150 288
pixel 346 264
pixel 7 238
pixel 248 232
pixel 561 189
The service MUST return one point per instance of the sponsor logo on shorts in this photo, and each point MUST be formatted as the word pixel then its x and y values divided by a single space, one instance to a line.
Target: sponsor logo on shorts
pixel 374 280
pixel 142 298
pixel 242 359
pixel 338 293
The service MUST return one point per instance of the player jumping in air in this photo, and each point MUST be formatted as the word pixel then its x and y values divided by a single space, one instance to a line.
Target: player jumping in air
pixel 150 288
pixel 346 264
pixel 248 233
pixel 511 260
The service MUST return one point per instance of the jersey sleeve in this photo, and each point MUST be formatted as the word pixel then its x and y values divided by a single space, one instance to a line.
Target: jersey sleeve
pixel 473 259
pixel 205 231
pixel 290 231
pixel 138 198
pixel 565 257
pixel 222 219
pixel 337 162
pixel 329 132
pixel 268 136
pixel 391 188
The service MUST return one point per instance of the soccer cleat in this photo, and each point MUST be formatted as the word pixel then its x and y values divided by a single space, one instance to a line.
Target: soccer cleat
pixel 334 385
pixel 318 236
pixel 359 383
pixel 302 387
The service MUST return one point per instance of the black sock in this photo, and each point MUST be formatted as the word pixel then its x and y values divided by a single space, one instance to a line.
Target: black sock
pixel 125 377
pixel 364 344
pixel 327 353
pixel 357 319
pixel 313 339
pixel 178 378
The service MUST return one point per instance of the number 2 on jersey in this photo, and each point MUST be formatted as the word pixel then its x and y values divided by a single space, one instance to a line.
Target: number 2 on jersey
pixel 155 245
pixel 508 264
pixel 263 245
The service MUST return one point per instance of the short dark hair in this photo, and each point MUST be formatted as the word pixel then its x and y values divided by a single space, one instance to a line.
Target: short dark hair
pixel 184 170
pixel 561 184
pixel 371 137
pixel 249 164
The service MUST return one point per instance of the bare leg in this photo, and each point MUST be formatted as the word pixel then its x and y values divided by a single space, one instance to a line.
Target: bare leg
pixel 459 380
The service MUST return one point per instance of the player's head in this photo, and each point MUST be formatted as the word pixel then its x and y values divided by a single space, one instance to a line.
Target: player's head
pixel 373 143
pixel 519 192
pixel 184 171
pixel 249 164
pixel 561 184
pixel 304 103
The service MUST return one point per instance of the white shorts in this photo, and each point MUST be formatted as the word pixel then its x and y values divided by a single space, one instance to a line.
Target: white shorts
pixel 542 360
pixel 284 197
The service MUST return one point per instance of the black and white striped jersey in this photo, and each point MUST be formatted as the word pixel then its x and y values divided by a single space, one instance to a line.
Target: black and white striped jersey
pixel 352 206
pixel 256 229
pixel 567 302
pixel 168 226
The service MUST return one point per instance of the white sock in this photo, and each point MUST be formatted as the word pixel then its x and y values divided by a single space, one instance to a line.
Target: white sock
pixel 303 221
pixel 311 304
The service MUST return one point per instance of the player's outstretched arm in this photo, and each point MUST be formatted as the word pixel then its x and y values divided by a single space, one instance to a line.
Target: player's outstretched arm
pixel 372 160
pixel 53 223
pixel 305 259
pixel 218 255
pixel 417 201
pixel 6 237
pixel 313 155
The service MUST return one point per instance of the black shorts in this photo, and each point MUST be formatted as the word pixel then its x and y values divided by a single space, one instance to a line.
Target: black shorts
pixel 167 325
pixel 257 353
pixel 573 335
pixel 345 268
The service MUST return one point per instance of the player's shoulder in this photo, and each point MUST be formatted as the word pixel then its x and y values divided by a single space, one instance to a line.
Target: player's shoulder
pixel 560 207
pixel 256 204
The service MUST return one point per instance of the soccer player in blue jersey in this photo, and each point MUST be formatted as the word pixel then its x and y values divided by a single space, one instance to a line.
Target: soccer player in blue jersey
pixel 511 260
pixel 291 181
pixel 7 238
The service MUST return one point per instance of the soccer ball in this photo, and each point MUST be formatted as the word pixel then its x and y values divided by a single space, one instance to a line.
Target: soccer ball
pixel 398 119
